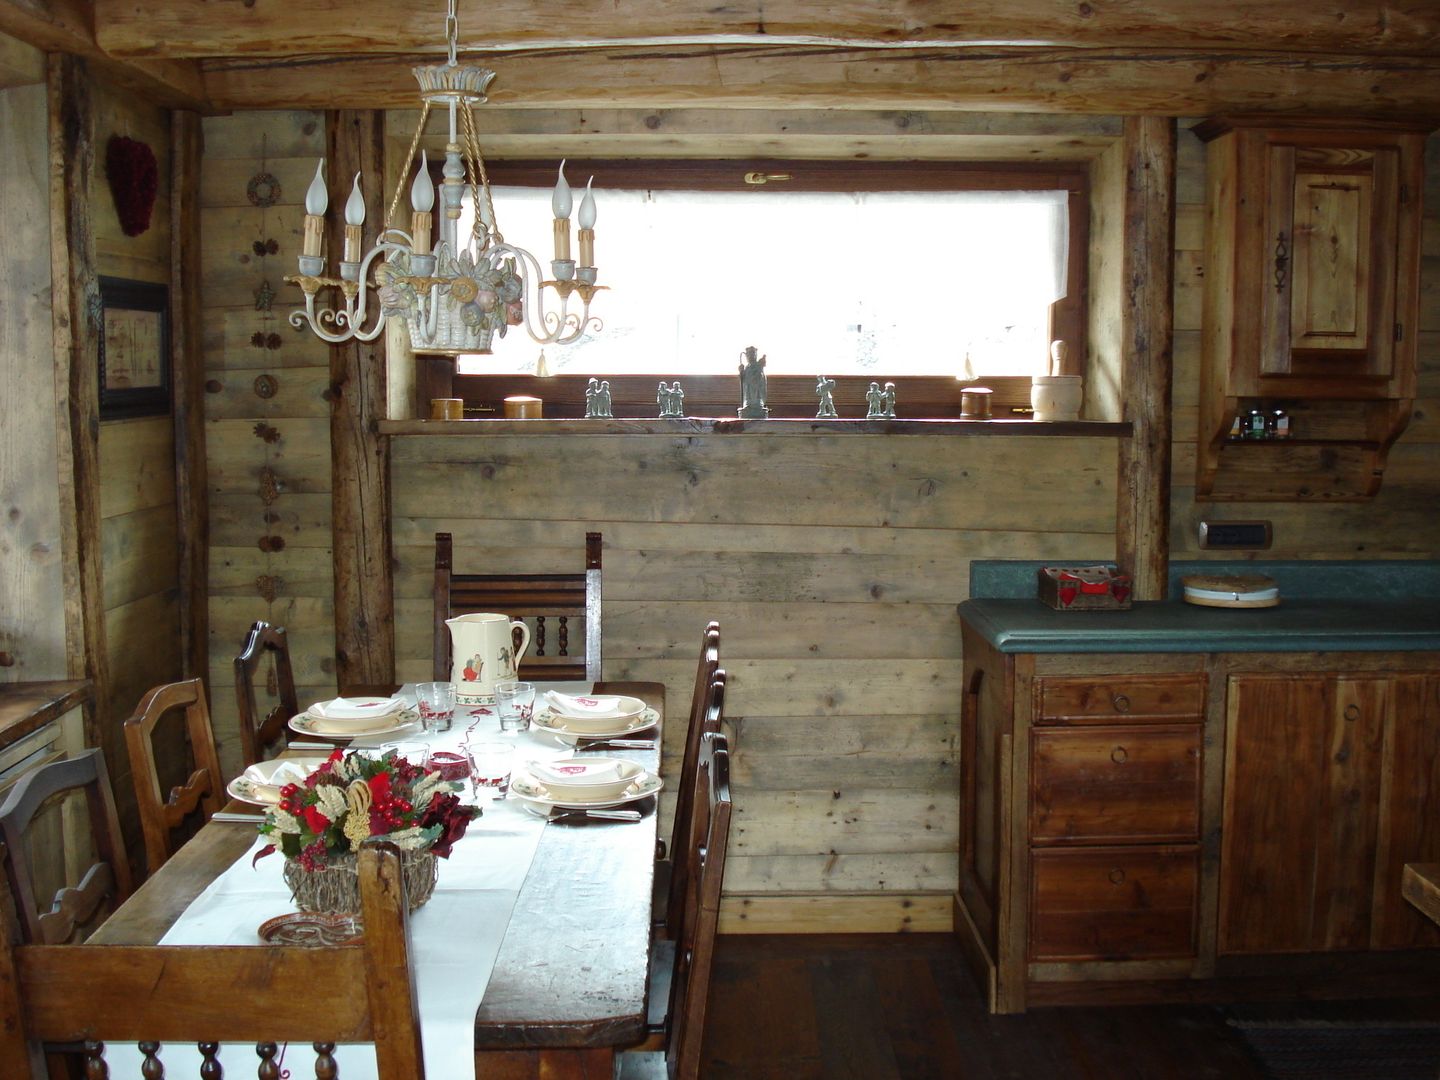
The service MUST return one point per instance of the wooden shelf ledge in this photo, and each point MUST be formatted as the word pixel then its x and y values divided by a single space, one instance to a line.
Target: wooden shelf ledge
pixel 713 426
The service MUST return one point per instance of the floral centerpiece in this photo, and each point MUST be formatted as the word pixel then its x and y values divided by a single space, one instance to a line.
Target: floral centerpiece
pixel 320 824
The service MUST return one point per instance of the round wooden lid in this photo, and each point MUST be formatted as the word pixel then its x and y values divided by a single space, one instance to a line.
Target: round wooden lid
pixel 1230 590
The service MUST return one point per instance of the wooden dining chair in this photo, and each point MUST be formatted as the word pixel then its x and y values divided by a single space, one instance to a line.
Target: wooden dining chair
pixel 258 734
pixel 687 961
pixel 545 602
pixel 202 790
pixel 99 888
pixel 707 715
pixel 258 996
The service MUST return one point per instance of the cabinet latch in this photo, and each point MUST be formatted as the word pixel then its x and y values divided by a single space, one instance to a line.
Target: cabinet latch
pixel 1399 331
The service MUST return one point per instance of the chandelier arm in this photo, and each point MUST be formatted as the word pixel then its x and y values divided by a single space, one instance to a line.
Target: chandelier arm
pixel 531 278
pixel 409 156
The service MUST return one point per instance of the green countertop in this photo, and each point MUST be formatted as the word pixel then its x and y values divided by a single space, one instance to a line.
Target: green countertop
pixel 1299 625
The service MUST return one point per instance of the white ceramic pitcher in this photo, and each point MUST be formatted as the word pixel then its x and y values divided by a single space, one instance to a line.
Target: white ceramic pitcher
pixel 482 647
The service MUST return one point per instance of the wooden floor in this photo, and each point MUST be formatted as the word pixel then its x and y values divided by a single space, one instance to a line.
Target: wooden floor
pixel 904 1006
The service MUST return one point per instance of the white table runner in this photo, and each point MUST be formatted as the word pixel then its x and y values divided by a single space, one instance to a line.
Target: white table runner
pixel 454 938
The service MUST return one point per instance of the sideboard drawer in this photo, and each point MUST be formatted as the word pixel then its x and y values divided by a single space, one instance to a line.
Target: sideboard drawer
pixel 1115 784
pixel 1124 699
pixel 1113 903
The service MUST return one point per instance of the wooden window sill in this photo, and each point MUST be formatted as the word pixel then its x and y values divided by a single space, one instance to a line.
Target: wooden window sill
pixel 695 425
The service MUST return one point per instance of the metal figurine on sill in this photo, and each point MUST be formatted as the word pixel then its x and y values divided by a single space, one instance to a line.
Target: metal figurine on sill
pixel 887 401
pixel 752 385
pixel 826 389
pixel 671 400
pixel 875 401
pixel 597 400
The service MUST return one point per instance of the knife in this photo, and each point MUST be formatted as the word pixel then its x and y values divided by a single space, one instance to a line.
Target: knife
pixel 599 815
pixel 225 815
pixel 619 744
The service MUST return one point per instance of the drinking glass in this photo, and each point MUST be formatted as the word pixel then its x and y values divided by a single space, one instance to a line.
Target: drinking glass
pixel 436 701
pixel 490 764
pixel 515 702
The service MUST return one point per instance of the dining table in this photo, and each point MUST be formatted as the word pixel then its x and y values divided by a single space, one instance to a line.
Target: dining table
pixel 568 985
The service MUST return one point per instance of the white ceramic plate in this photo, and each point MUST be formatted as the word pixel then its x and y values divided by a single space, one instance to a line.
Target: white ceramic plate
pixel 555 724
pixel 351 710
pixel 526 787
pixel 254 784
pixel 596 778
pixel 627 709
pixel 306 724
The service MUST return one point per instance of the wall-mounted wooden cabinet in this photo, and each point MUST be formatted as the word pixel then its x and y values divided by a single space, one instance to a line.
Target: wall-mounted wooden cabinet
pixel 1311 300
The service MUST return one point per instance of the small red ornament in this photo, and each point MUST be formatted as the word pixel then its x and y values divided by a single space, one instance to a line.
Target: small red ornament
pixel 134 177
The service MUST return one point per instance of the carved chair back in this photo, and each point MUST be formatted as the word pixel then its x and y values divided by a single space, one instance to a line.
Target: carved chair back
pixel 202 790
pixel 97 889
pixel 258 733
pixel 550 604
pixel 152 995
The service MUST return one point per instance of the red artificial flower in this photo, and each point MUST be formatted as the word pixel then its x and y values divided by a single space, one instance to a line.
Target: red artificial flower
pixel 380 787
pixel 315 820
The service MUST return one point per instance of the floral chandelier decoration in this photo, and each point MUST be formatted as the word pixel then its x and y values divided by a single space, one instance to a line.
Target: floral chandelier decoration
pixel 453 297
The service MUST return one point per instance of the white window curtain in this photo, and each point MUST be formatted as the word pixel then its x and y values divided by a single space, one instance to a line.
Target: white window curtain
pixel 863 283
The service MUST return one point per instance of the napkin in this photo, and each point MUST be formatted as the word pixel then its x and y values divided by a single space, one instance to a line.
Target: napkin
pixel 355 708
pixel 570 771
pixel 584 706
pixel 268 782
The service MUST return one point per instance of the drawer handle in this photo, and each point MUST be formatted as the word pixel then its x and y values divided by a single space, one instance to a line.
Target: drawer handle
pixel 1352 712
pixel 1118 755
pixel 1121 703
pixel 1117 876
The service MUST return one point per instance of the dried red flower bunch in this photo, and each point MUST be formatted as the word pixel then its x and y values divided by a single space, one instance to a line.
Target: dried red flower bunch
pixel 134 177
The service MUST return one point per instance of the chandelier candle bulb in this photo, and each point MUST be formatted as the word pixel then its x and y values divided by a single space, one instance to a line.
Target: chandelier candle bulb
pixel 422 202
pixel 586 219
pixel 317 199
pixel 561 203
pixel 354 230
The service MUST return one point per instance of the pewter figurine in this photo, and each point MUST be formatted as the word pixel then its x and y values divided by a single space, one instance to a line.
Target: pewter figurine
pixel 671 400
pixel 887 401
pixel 592 402
pixel 752 385
pixel 826 389
pixel 875 401
pixel 602 401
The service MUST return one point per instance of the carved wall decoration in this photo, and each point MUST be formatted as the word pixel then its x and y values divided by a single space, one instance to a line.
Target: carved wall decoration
pixel 268 586
pixel 263 190
pixel 265 433
pixel 265 247
pixel 269 486
pixel 264 296
pixel 266 386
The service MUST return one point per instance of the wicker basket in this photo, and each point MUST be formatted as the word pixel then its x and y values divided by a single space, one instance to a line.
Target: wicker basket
pixel 336 888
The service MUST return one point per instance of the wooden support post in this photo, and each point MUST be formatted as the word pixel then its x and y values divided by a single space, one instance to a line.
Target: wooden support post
pixel 76 316
pixel 188 395
pixel 1142 519
pixel 360 458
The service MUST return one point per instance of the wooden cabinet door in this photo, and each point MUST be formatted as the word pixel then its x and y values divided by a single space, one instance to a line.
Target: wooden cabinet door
pixel 1303 777
pixel 1409 822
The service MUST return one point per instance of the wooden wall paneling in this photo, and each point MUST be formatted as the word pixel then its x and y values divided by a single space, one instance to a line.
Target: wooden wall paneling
pixel 32 557
pixel 249 393
pixel 1103 335
pixel 21 64
pixel 75 301
pixel 1142 531
pixel 188 393
pixel 364 610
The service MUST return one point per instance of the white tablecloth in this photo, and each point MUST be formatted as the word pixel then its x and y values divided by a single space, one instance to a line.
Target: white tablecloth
pixel 454 938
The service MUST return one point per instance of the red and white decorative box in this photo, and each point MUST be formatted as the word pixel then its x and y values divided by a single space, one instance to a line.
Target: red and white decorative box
pixel 1084 588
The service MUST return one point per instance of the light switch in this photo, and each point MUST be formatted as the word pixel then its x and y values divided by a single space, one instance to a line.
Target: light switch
pixel 1235 535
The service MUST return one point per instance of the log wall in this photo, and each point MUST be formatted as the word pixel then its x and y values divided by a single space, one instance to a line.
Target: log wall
pixel 833 563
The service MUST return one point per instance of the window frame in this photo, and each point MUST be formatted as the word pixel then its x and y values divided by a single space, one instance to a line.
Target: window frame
pixel 790 396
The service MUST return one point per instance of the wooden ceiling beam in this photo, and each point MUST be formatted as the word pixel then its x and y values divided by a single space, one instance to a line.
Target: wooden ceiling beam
pixel 64 26
pixel 1112 81
pixel 205 28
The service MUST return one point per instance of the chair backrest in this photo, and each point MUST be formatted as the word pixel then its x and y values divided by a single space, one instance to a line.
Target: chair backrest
pixel 160 814
pixel 259 733
pixel 695 947
pixel 689 792
pixel 100 887
pixel 150 994
pixel 546 602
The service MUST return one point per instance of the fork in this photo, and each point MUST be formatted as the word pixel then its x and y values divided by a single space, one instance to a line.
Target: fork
pixel 599 815
pixel 618 744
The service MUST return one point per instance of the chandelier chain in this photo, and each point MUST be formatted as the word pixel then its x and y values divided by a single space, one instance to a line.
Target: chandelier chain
pixel 410 156
pixel 452 30
pixel 474 160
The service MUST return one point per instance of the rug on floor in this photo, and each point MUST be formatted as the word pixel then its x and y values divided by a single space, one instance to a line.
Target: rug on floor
pixel 1330 1050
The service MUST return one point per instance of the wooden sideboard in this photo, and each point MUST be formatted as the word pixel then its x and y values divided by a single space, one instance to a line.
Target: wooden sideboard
pixel 1197 826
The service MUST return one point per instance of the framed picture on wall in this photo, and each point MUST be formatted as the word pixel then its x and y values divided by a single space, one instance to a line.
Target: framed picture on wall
pixel 134 348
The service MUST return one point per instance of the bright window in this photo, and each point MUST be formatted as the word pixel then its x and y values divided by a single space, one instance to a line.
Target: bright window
pixel 873 283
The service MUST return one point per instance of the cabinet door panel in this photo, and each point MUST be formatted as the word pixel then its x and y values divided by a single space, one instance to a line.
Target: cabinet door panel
pixel 1115 784
pixel 1409 823
pixel 1113 904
